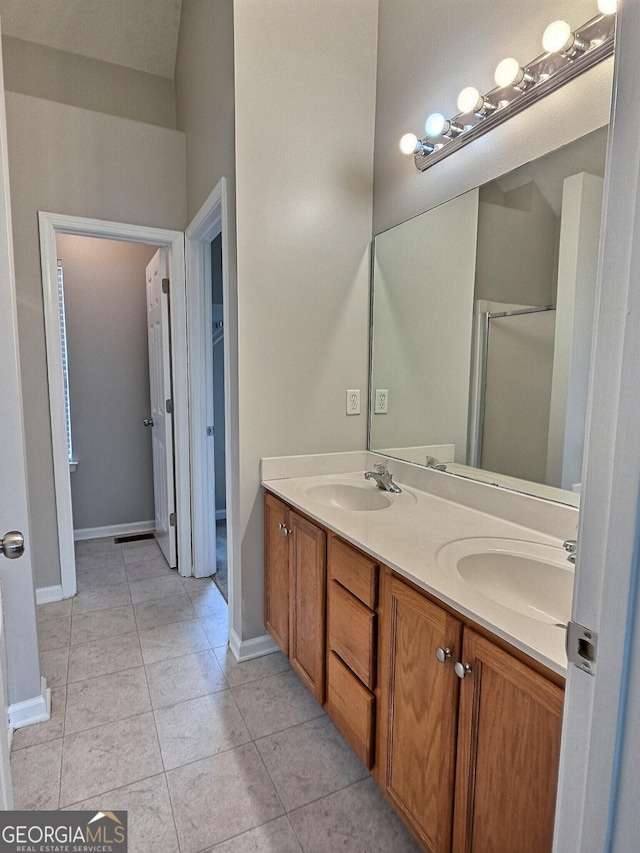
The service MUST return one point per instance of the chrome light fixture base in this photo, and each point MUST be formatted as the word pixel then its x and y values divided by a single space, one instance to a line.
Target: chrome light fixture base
pixel 549 72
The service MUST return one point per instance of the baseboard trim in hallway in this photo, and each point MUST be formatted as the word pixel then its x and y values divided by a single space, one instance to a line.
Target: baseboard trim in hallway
pixel 35 710
pixel 113 530
pixel 47 594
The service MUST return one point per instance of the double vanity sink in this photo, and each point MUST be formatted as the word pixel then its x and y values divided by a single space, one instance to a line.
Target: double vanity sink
pixel 508 578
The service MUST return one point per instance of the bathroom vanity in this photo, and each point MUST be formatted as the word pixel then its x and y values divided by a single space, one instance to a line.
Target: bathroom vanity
pixel 449 690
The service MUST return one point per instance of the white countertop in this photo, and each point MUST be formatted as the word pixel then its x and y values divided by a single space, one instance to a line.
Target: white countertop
pixel 407 537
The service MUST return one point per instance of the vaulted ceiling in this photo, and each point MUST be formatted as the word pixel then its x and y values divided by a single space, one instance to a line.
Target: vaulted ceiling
pixel 139 34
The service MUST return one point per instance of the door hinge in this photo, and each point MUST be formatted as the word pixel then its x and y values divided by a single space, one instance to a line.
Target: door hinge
pixel 209 430
pixel 165 285
pixel 582 647
pixel 172 519
pixel 169 407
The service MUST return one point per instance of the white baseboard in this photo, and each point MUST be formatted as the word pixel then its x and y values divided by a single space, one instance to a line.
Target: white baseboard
pixel 221 514
pixel 254 648
pixel 35 710
pixel 47 594
pixel 114 530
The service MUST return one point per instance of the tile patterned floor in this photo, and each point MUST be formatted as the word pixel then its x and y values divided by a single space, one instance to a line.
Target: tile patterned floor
pixel 151 713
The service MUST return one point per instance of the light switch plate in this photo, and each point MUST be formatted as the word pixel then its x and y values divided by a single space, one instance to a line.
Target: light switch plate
pixel 353 401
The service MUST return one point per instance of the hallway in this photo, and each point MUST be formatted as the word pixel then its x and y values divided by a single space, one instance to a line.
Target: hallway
pixel 151 713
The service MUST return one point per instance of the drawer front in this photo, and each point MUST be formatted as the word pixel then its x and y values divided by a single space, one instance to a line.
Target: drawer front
pixel 352 708
pixel 354 570
pixel 352 633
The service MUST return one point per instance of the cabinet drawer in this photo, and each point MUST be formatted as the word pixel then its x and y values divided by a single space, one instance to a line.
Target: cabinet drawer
pixel 352 708
pixel 352 633
pixel 355 571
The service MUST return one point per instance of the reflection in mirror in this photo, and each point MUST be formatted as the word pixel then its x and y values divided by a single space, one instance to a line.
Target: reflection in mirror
pixel 482 324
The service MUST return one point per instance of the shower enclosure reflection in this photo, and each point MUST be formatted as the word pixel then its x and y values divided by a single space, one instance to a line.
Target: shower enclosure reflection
pixel 482 325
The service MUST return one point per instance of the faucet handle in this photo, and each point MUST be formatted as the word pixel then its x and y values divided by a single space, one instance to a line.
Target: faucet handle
pixel 381 467
pixel 570 545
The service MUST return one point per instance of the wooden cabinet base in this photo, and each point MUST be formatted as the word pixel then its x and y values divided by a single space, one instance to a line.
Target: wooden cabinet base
pixel 352 708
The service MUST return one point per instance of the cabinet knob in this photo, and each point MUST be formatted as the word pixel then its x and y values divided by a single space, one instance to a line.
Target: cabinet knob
pixel 462 670
pixel 443 655
pixel 286 530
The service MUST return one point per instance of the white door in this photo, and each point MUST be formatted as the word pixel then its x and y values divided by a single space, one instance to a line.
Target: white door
pixel 160 420
pixel 15 574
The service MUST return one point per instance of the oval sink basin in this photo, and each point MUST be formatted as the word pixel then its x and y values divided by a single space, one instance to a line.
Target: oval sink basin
pixel 530 578
pixel 347 496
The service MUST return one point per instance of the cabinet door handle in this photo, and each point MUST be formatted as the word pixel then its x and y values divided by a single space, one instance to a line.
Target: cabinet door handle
pixel 462 670
pixel 443 655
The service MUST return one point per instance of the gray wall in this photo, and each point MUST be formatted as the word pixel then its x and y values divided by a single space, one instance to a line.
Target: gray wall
pixel 44 72
pixel 106 315
pixel 68 160
pixel 305 101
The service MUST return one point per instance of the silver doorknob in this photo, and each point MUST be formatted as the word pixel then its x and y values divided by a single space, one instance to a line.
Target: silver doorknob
pixel 148 421
pixel 443 655
pixel 462 670
pixel 12 544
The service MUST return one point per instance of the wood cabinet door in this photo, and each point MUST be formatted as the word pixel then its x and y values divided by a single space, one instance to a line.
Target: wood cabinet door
pixel 508 753
pixel 276 571
pixel 307 592
pixel 418 712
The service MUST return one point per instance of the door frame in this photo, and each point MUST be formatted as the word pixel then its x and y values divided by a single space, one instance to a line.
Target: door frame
pixel 211 220
pixel 51 224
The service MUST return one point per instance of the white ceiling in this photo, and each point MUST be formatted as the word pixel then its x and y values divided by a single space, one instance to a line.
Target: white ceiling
pixel 140 34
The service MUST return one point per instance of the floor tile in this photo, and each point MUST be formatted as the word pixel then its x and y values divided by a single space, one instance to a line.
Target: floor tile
pixel 54 666
pixel 35 772
pixel 86 627
pixel 163 611
pixel 275 703
pixel 109 757
pixel 207 599
pixel 277 836
pixel 103 598
pixel 178 679
pixel 104 545
pixel 172 641
pixel 99 559
pixel 199 728
pixel 54 609
pixel 106 699
pixel 148 569
pixel 155 587
pixel 99 577
pixel 138 552
pixel 54 633
pixel 353 820
pixel 249 670
pixel 101 657
pixel 150 819
pixel 216 628
pixel 221 797
pixel 52 729
pixel 309 761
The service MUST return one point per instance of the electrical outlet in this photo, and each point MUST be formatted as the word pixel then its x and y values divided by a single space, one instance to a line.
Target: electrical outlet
pixel 381 406
pixel 353 401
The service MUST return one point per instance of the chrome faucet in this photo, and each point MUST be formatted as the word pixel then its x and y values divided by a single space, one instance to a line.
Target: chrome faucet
pixel 432 462
pixel 384 480
pixel 570 545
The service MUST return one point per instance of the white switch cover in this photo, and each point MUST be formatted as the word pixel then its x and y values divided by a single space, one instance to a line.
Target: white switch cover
pixel 353 401
pixel 382 401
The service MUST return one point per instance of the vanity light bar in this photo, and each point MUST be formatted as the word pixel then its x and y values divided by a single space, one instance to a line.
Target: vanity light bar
pixel 576 52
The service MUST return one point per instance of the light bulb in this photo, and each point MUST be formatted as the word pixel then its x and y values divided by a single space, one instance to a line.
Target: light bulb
pixel 508 73
pixel 409 143
pixel 557 37
pixel 607 7
pixel 435 124
pixel 470 100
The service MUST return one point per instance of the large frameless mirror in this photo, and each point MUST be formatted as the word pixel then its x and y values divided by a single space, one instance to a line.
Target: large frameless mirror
pixel 482 320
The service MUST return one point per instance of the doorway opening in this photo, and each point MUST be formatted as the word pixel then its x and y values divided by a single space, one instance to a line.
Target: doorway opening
pixel 217 427
pixel 53 228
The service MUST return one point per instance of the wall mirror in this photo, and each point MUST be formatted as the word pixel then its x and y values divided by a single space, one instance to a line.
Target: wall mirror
pixel 482 320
